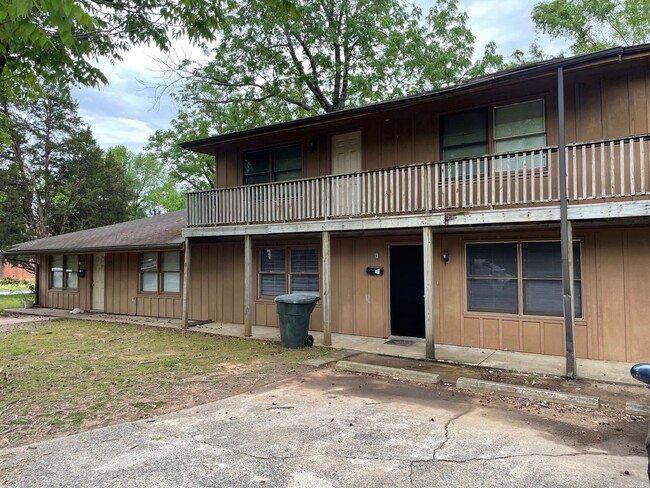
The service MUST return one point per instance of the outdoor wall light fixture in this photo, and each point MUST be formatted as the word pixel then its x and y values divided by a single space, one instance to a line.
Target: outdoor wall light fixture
pixel 445 257
pixel 312 145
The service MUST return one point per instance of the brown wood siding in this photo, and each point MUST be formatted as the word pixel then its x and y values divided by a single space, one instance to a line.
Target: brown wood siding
pixel 217 282
pixel 600 102
pixel 615 264
pixel 122 296
pixel 65 299
pixel 616 304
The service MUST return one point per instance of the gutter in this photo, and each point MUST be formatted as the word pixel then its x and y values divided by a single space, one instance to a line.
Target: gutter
pixel 89 250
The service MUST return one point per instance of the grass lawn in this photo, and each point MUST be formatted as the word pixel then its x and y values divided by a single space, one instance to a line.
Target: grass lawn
pixel 66 376
pixel 11 301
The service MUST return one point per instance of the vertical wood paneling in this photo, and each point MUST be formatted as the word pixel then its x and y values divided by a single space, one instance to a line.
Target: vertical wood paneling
pixel 637 295
pixel 611 295
pixel 616 106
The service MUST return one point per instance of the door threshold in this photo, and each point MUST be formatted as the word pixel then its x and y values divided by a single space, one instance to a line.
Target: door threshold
pixel 403 340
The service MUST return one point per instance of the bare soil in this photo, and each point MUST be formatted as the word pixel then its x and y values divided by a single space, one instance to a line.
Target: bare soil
pixel 67 376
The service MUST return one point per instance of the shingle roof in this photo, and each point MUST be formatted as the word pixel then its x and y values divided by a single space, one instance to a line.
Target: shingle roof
pixel 157 232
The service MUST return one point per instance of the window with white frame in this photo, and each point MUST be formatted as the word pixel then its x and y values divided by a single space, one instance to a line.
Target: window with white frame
pixel 498 274
pixel 160 272
pixel 288 270
pixel 63 272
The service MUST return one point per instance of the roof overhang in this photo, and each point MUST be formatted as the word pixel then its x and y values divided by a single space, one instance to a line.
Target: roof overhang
pixel 540 69
pixel 91 250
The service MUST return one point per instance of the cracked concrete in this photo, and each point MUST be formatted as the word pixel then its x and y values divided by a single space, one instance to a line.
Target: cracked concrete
pixel 330 429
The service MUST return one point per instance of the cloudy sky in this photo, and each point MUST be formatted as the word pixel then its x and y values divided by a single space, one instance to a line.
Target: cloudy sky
pixel 128 110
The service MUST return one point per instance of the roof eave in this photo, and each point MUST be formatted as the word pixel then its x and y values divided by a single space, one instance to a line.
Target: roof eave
pixel 546 67
pixel 91 250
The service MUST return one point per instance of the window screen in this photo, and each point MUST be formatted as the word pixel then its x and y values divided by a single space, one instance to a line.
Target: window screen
pixel 56 271
pixel 279 163
pixel 71 268
pixel 149 272
pixel 304 270
pixel 170 270
pixel 287 163
pixel 492 284
pixel 520 127
pixel 464 135
pixel 542 278
pixel 273 278
pixel 257 167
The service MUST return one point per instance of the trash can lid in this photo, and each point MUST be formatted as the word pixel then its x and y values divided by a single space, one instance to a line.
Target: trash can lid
pixel 298 298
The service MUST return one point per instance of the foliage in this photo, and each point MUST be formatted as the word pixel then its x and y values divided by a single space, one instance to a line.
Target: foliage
pixel 323 56
pixel 11 301
pixel 155 191
pixel 592 25
pixel 93 188
pixel 57 40
pixel 53 176
pixel 200 116
pixel 8 283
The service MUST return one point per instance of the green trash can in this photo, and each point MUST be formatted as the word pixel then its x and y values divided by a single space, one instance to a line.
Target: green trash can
pixel 294 310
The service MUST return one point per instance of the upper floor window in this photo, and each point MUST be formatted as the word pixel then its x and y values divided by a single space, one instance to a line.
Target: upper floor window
pixel 464 135
pixel 279 163
pixel 519 127
pixel 515 127
pixel 160 272
pixel 63 272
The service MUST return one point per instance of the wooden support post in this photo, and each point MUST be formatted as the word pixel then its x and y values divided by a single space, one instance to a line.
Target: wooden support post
pixel 248 284
pixel 186 284
pixel 327 283
pixel 566 239
pixel 429 291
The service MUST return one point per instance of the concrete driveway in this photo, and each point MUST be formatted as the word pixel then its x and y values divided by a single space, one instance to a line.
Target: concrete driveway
pixel 329 429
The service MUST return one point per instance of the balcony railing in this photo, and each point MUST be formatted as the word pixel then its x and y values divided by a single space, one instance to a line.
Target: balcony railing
pixel 613 168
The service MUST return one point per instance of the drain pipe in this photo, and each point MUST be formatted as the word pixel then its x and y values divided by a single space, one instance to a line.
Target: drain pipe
pixel 36 273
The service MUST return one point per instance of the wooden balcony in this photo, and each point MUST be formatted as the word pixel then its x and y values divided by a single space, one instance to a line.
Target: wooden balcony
pixel 613 170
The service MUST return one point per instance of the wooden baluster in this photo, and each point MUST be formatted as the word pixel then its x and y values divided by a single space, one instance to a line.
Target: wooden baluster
pixel 632 168
pixel 642 163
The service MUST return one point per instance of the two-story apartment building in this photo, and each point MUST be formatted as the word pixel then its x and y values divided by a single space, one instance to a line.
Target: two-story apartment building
pixel 436 216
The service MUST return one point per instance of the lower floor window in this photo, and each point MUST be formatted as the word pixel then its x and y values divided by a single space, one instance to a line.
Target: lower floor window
pixel 291 270
pixel 63 272
pixel 498 274
pixel 160 272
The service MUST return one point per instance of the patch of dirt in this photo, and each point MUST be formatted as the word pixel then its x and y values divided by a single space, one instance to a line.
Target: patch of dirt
pixel 11 322
pixel 583 426
pixel 158 399
pixel 607 429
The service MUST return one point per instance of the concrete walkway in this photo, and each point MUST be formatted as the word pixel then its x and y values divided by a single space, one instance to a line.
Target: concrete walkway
pixel 327 430
pixel 608 371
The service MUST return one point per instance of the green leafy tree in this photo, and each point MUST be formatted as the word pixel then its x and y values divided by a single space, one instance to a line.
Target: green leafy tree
pixel 57 40
pixel 155 191
pixel 326 55
pixel 93 188
pixel 54 178
pixel 592 25
pixel 201 115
